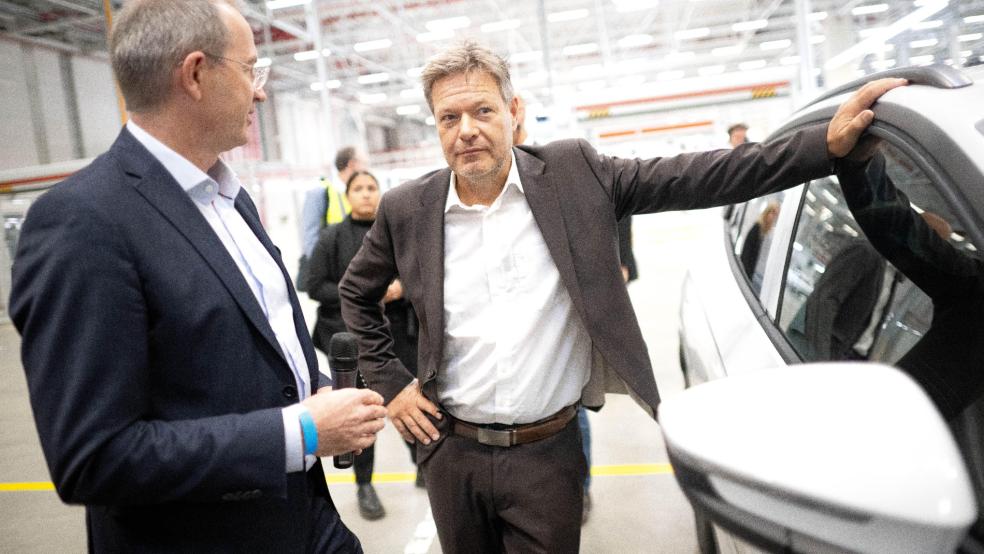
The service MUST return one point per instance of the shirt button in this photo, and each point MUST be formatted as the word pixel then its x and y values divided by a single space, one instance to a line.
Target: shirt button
pixel 209 189
pixel 290 392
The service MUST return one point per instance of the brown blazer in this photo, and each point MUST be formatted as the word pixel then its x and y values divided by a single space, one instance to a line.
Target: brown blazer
pixel 576 196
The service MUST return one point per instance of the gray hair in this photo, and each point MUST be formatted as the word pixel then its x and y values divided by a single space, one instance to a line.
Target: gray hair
pixel 462 58
pixel 152 37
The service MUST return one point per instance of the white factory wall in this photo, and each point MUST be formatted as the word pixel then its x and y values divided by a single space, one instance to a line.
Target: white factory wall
pixel 17 131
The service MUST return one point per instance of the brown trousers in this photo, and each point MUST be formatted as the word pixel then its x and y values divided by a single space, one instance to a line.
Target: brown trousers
pixel 523 499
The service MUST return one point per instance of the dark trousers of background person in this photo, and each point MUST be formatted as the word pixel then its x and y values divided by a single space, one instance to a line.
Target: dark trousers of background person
pixel 524 498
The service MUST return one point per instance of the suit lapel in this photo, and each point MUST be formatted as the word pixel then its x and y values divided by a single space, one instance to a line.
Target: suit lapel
pixel 430 260
pixel 542 186
pixel 156 185
pixel 246 208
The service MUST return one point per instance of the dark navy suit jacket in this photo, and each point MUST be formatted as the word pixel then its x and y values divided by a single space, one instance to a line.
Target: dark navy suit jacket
pixel 156 381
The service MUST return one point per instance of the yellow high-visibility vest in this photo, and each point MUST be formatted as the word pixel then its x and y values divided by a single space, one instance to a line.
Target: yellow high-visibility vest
pixel 338 204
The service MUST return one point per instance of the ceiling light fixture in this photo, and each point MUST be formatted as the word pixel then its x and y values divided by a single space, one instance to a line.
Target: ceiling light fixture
pixel 699 32
pixel 281 4
pixel 752 64
pixel 635 41
pixel 752 25
pixel 370 45
pixel 373 78
pixel 569 15
pixel 869 9
pixel 776 44
pixel 924 43
pixel 311 55
pixel 580 49
pixel 334 83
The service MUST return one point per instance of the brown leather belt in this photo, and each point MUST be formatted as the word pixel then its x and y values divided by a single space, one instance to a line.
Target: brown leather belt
pixel 516 434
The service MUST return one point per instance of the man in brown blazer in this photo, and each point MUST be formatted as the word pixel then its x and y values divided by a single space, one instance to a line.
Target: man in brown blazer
pixel 510 259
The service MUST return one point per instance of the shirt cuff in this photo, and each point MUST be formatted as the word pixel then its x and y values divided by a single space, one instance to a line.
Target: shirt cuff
pixel 294 440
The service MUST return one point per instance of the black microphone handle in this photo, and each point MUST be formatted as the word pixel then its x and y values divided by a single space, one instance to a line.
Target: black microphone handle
pixel 344 379
pixel 344 461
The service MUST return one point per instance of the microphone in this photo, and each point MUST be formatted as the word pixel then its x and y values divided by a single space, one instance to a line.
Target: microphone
pixel 343 354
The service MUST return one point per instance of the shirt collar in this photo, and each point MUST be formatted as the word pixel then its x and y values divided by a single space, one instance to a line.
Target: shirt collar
pixel 512 179
pixel 200 186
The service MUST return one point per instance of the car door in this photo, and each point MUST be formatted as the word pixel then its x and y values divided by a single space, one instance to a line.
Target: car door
pixel 884 265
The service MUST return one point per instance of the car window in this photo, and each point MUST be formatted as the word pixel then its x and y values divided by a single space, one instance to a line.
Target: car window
pixel 753 240
pixel 834 280
pixel 881 269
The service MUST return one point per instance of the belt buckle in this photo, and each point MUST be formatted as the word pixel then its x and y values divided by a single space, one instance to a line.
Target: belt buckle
pixel 494 437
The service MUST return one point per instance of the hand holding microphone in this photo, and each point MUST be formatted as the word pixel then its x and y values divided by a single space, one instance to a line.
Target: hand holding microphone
pixel 347 418
pixel 343 357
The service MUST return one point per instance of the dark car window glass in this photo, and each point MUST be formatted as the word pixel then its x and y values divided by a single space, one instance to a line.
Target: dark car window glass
pixel 882 269
pixel 754 238
pixel 834 281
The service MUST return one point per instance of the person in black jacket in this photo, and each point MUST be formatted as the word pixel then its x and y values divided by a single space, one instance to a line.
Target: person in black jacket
pixel 337 245
pixel 751 249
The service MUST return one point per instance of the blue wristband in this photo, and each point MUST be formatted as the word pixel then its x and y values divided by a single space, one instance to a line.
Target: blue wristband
pixel 309 431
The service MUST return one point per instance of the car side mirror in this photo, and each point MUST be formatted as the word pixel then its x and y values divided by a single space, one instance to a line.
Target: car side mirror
pixel 821 457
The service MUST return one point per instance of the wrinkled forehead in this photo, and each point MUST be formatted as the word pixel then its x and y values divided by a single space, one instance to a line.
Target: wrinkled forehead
pixel 466 84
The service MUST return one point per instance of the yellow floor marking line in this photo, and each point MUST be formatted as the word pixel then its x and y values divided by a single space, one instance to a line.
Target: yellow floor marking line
pixel 25 487
pixel 620 470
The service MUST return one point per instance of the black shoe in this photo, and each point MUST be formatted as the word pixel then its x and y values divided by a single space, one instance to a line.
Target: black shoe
pixel 586 510
pixel 419 481
pixel 369 506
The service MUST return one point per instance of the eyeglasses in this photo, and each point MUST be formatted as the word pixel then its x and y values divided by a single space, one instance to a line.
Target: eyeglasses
pixel 259 74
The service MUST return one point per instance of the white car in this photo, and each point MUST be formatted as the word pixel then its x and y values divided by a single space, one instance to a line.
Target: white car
pixel 833 343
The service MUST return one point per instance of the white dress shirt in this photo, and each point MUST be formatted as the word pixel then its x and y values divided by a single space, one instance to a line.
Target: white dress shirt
pixel 214 194
pixel 515 350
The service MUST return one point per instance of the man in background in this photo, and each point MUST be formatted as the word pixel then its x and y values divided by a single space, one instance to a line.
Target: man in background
pixel 737 134
pixel 326 205
pixel 173 382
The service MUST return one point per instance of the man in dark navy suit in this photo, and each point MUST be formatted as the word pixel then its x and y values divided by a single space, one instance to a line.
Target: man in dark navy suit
pixel 173 382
